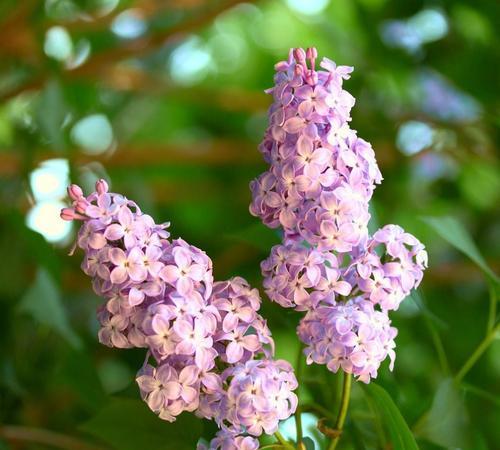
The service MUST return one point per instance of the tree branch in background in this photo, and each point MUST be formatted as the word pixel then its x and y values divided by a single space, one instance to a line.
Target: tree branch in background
pixel 12 433
pixel 101 61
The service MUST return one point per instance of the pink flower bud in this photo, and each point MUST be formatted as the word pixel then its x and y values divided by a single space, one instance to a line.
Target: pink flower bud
pixel 101 186
pixel 68 214
pixel 75 192
pixel 311 53
pixel 300 55
pixel 81 205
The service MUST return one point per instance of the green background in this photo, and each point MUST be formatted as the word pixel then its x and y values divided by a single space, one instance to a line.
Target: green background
pixel 165 99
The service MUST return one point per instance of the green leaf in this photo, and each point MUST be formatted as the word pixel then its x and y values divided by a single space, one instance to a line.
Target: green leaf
pixel 416 297
pixel 128 424
pixel 309 443
pixel 51 114
pixel 446 423
pixel 78 373
pixel 400 435
pixel 452 231
pixel 43 302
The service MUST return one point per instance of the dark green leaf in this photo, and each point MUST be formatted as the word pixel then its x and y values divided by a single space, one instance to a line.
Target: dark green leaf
pixel 309 443
pixel 452 231
pixel 446 423
pixel 416 297
pixel 128 424
pixel 43 302
pixel 78 373
pixel 400 435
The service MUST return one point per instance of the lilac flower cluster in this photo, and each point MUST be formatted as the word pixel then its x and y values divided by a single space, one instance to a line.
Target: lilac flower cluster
pixel 209 351
pixel 322 175
pixel 318 187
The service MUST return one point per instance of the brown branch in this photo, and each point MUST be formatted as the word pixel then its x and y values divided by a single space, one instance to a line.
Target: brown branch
pixel 45 437
pixel 218 152
pixel 128 78
pixel 102 60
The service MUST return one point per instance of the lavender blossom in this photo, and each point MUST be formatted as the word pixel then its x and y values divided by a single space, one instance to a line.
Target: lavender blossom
pixel 202 337
pixel 351 336
pixel 322 175
pixel 318 186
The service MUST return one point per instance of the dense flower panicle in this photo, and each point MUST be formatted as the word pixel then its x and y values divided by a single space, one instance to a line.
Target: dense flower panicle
pixel 259 395
pixel 351 336
pixel 322 175
pixel 200 335
pixel 302 277
pixel 320 180
pixel 388 281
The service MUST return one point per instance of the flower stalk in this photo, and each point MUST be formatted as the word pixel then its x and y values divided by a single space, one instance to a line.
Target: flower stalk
pixel 342 414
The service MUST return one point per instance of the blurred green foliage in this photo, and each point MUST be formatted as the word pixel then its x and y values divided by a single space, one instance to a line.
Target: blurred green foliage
pixel 165 100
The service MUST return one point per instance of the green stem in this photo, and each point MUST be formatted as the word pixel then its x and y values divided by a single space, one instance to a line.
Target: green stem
pixel 493 307
pixel 283 441
pixel 438 344
pixel 485 343
pixel 344 404
pixel 298 412
pixel 271 446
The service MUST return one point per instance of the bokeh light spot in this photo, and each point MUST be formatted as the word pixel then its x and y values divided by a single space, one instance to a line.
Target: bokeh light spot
pixel 190 62
pixel 58 44
pixel 129 24
pixel 49 181
pixel 44 219
pixel 308 7
pixel 93 134
pixel 413 137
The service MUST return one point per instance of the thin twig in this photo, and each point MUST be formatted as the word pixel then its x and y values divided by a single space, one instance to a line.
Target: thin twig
pixel 16 433
pixel 141 46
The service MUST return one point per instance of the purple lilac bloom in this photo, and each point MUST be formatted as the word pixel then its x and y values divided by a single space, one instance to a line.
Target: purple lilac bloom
pixel 301 277
pixel 322 175
pixel 259 395
pixel 320 179
pixel 351 336
pixel 201 336
pixel 388 281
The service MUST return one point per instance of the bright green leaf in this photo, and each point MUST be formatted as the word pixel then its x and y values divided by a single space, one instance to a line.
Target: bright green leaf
pixel 128 424
pixel 452 231
pixel 400 435
pixel 43 302
pixel 446 422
